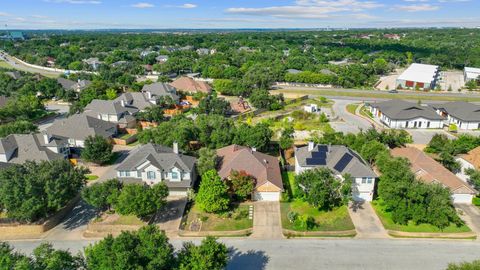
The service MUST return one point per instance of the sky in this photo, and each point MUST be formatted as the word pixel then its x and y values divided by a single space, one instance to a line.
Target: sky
pixel 200 14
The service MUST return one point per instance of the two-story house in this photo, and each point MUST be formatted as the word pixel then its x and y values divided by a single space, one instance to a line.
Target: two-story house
pixel 341 160
pixel 156 90
pixel 18 148
pixel 114 111
pixel 153 164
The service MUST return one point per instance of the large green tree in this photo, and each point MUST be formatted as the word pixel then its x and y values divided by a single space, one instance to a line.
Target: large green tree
pixel 212 196
pixel 210 254
pixel 97 149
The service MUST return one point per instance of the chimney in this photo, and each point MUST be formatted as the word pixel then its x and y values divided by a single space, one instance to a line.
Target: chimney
pixel 175 147
pixel 311 145
pixel 46 138
pixel 149 95
pixel 122 102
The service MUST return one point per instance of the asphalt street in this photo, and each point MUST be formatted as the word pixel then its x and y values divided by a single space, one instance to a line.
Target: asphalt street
pixel 317 254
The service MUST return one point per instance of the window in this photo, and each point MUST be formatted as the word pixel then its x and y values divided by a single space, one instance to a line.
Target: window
pixel 174 175
pixel 127 173
pixel 151 175
pixel 122 173
pixel 369 180
pixel 139 174
pixel 364 180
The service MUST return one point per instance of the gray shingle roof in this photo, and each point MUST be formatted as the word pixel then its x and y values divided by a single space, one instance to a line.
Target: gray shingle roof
pixel 160 156
pixel 461 110
pixel 30 147
pixel 403 110
pixel 356 167
pixel 161 89
pixel 80 126
pixel 135 99
pixel 108 107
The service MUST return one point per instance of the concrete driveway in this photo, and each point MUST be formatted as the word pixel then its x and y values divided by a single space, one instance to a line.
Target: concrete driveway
pixel 169 218
pixel 471 215
pixel 266 220
pixel 423 136
pixel 366 221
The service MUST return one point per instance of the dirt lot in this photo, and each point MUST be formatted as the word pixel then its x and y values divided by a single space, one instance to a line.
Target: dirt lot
pixel 452 78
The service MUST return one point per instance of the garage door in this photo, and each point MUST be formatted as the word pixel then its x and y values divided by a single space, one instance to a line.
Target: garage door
pixel 462 198
pixel 266 196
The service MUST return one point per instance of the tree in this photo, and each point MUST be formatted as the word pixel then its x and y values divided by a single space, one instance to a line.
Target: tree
pixel 207 160
pixel 151 114
pixel 148 248
pixel 213 105
pixel 257 136
pixel 473 178
pixel 321 189
pixel 97 150
pixel 210 254
pixel 286 139
pixel 17 127
pixel 32 191
pixel 471 85
pixel 141 200
pixel 212 195
pixel 46 257
pixel 241 184
pixel 102 195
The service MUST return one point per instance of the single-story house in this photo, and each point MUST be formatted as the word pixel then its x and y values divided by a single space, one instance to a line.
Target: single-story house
pixel 403 114
pixel 93 62
pixel 428 170
pixel 419 76
pixel 114 111
pixel 152 164
pixel 18 148
pixel 463 114
pixel 78 127
pixel 340 160
pixel 190 85
pixel 157 90
pixel 77 86
pixel 472 158
pixel 264 168
pixel 471 74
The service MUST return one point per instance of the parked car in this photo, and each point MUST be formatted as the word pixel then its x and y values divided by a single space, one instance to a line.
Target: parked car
pixel 393 91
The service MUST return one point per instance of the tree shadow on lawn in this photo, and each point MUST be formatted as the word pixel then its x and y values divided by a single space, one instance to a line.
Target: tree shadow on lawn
pixel 80 215
pixel 356 206
pixel 252 260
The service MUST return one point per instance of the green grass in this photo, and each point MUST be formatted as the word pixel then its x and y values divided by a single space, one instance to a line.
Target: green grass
pixel 128 220
pixel 388 223
pixel 91 177
pixel 378 94
pixel 337 219
pixel 352 108
pixel 4 64
pixel 289 182
pixel 215 222
pixel 365 112
pixel 125 136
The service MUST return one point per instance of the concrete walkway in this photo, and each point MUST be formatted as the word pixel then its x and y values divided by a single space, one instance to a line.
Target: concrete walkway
pixel 366 221
pixel 266 221
pixel 471 215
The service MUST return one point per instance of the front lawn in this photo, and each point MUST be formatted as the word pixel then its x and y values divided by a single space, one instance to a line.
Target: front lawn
pixel 234 220
pixel 336 220
pixel 388 223
pixel 352 108
pixel 116 219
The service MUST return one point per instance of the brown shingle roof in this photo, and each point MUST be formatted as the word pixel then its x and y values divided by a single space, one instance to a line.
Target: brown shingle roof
pixel 473 157
pixel 430 171
pixel 190 85
pixel 264 168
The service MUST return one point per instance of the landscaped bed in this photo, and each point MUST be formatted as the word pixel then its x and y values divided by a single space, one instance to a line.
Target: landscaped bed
pixel 388 223
pixel 235 220
pixel 337 219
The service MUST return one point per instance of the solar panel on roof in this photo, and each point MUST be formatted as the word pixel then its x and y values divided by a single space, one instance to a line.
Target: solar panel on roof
pixel 322 148
pixel 316 161
pixel 343 162
pixel 322 155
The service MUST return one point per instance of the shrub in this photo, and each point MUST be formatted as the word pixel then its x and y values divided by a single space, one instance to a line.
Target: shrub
pixel 476 201
pixel 304 222
pixel 292 216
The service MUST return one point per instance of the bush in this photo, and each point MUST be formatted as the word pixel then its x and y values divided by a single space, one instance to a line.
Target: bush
pixel 304 222
pixel 476 201
pixel 292 216
pixel 453 128
pixel 475 265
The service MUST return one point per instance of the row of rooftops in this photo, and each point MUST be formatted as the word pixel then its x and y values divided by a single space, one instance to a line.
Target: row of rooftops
pixel 404 110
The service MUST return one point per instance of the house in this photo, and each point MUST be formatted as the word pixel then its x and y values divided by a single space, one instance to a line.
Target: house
pixel 471 160
pixel 136 100
pixel 72 85
pixel 419 76
pixel 463 114
pixel 119 64
pixel 392 36
pixel 18 148
pixel 430 171
pixel 161 59
pixel 340 160
pixel 94 63
pixel 264 168
pixel 14 74
pixel 51 61
pixel 190 85
pixel 311 108
pixel 203 51
pixel 78 127
pixel 153 164
pixel 403 114
pixel 114 111
pixel 471 74
pixel 146 53
pixel 157 90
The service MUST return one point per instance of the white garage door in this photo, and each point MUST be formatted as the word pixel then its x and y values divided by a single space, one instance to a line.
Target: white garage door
pixel 266 196
pixel 462 198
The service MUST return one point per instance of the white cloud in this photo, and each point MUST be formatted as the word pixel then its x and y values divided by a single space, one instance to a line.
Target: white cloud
pixel 188 5
pixel 453 1
pixel 74 1
pixel 416 8
pixel 4 14
pixel 308 9
pixel 416 1
pixel 143 5
pixel 39 16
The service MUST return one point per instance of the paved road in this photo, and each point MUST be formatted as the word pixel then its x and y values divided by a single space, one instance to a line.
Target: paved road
pixel 337 254
pixel 347 122
pixel 18 66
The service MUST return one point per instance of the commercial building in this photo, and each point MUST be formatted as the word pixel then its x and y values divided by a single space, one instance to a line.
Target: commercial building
pixel 419 76
pixel 471 74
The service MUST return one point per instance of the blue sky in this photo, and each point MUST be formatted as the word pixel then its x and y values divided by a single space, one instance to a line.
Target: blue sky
pixel 95 14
